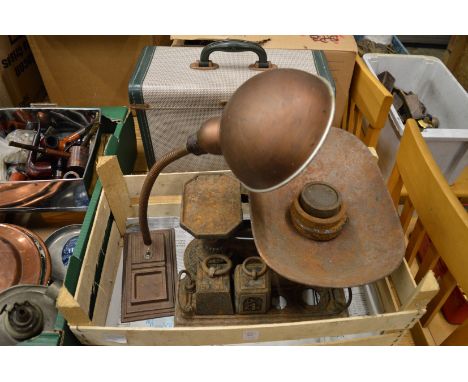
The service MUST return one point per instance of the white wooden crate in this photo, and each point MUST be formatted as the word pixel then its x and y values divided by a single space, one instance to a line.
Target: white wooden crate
pixel 404 302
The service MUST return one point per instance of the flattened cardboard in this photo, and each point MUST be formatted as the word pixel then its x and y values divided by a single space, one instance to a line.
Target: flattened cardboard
pixel 340 52
pixel 20 80
pixel 88 70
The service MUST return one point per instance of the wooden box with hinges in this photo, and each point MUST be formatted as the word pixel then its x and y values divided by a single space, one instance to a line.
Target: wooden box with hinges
pixel 175 89
pixel 86 307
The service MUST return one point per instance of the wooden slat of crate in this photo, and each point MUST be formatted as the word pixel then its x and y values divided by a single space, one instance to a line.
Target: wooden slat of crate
pixel 220 335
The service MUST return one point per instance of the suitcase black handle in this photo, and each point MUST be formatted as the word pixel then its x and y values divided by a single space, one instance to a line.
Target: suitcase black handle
pixel 233 46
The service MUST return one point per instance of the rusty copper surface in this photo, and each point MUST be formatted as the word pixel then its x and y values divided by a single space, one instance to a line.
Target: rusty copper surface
pixel 371 244
pixel 20 260
pixel 213 286
pixel 252 287
pixel 332 303
pixel 199 249
pixel 273 125
pixel 211 206
pixel 315 228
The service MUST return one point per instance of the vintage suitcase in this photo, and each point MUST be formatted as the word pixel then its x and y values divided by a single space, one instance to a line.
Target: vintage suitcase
pixel 172 99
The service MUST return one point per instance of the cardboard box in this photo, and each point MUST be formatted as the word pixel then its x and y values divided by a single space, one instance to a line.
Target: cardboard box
pixel 20 80
pixel 339 50
pixel 89 70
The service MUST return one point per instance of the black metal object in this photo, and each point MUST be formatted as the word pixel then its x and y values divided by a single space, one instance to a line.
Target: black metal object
pixel 387 80
pixel 25 320
pixel 234 46
pixel 407 104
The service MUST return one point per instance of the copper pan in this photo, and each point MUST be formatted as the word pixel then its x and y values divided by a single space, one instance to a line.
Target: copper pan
pixel 371 244
pixel 43 253
pixel 20 258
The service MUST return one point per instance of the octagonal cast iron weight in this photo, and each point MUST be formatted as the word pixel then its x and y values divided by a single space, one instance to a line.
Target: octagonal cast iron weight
pixel 211 206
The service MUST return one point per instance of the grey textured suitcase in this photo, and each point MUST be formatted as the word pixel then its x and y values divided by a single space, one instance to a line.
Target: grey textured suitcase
pixel 172 99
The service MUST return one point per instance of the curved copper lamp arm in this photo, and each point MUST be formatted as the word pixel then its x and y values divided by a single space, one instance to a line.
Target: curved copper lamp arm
pixel 205 141
pixel 148 185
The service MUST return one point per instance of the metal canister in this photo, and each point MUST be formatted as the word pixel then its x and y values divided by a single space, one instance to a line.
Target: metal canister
pixel 26 311
pixel 252 286
pixel 78 159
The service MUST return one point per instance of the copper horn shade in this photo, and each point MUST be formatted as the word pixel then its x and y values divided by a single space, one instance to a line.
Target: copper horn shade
pixel 273 125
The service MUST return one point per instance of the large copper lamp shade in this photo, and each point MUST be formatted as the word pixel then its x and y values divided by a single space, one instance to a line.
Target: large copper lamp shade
pixel 273 126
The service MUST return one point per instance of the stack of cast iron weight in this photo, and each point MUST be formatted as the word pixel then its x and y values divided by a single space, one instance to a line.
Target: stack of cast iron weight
pixel 54 155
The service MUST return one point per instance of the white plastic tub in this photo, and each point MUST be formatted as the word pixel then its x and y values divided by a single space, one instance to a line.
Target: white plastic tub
pixel 443 97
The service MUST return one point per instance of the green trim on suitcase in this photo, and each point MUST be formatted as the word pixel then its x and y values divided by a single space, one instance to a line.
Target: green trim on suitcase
pixel 321 64
pixel 135 94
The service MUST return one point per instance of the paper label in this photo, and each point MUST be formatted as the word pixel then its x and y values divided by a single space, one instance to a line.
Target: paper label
pixel 251 335
pixel 116 338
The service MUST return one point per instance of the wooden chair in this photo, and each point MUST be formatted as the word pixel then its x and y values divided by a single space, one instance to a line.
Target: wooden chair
pixel 460 187
pixel 440 216
pixel 459 337
pixel 368 105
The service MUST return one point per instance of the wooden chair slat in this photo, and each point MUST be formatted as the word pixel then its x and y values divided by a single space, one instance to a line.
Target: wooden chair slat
pixel 441 217
pixel 371 99
pixel 414 242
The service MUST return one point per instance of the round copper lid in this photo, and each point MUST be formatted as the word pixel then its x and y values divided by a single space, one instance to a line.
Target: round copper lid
pixel 20 258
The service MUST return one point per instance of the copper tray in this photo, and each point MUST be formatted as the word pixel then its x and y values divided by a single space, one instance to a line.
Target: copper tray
pixel 21 261
pixel 371 244
pixel 46 260
pixel 26 194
